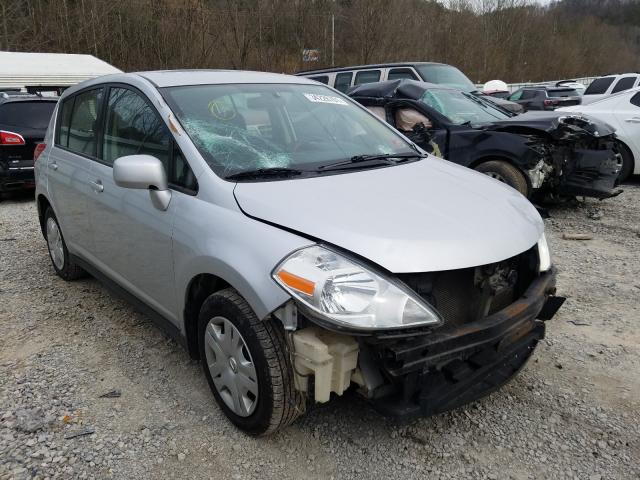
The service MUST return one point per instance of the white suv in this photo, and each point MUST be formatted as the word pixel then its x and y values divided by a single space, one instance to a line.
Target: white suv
pixel 608 85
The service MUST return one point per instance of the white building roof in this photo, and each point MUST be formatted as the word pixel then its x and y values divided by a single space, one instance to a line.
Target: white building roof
pixel 18 69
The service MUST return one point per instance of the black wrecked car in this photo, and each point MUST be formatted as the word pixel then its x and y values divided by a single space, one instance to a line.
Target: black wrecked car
pixel 23 122
pixel 541 154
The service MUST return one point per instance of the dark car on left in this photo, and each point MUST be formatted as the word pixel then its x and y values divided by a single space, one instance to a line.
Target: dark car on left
pixel 23 122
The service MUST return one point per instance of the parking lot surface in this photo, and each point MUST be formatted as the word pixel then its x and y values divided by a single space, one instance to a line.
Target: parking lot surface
pixel 572 413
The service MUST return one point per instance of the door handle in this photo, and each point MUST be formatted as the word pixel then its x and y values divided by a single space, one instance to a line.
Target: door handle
pixel 632 120
pixel 97 186
pixel 53 166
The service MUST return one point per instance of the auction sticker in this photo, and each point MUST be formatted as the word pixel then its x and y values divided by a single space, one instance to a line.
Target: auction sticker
pixel 312 97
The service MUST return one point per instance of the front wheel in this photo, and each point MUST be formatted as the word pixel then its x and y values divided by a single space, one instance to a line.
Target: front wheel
pixel 506 173
pixel 246 362
pixel 627 162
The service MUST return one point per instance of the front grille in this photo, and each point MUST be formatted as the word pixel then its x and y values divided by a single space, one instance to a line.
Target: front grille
pixel 470 294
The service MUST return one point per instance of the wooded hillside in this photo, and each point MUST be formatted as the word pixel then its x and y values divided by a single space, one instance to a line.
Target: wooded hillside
pixel 513 40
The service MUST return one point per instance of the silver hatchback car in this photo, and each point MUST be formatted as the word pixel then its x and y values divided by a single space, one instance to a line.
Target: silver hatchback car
pixel 293 242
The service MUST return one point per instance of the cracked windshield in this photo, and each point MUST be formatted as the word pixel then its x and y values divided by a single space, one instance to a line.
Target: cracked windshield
pixel 241 128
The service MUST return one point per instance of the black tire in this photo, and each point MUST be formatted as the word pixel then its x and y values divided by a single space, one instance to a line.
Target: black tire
pixel 69 271
pixel 278 402
pixel 627 162
pixel 507 173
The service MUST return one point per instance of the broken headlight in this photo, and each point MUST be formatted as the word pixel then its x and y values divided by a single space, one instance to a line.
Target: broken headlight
pixel 349 294
pixel 544 255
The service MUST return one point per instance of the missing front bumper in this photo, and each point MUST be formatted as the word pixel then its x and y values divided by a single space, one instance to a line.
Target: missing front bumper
pixel 438 372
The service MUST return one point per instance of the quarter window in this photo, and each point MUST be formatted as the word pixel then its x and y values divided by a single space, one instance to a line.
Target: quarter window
pixel 321 78
pixel 635 100
pixel 78 122
pixel 599 86
pixel 367 76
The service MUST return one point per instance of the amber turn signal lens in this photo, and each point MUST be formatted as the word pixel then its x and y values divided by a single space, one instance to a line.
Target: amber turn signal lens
pixel 297 283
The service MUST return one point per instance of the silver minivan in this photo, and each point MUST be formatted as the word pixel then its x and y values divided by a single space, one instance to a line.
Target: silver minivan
pixel 293 242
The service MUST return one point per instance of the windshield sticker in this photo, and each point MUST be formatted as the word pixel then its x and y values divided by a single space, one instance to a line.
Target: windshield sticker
pixel 315 98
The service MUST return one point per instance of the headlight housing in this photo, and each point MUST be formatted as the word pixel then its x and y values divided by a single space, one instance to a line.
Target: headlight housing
pixel 544 255
pixel 349 294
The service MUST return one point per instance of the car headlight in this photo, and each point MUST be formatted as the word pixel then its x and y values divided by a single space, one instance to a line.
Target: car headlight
pixel 544 255
pixel 349 294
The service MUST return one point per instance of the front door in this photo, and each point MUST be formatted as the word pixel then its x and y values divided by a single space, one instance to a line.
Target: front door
pixel 132 238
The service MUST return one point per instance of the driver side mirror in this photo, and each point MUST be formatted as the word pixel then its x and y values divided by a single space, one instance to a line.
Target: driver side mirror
pixel 143 172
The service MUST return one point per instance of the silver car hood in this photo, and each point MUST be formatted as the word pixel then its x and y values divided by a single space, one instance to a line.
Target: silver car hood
pixel 423 216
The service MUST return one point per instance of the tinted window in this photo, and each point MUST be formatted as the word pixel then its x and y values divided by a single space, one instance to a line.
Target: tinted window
pixel 343 81
pixel 367 76
pixel 528 94
pixel 635 100
pixel 625 83
pixel 599 86
pixel 133 127
pixel 398 73
pixel 79 133
pixel 27 114
pixel 321 78
pixel 565 92
pixel 65 119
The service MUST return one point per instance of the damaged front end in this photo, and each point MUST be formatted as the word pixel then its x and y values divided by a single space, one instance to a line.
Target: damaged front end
pixel 578 155
pixel 494 316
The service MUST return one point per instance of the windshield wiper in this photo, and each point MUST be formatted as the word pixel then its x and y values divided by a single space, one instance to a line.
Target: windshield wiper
pixel 264 172
pixel 387 157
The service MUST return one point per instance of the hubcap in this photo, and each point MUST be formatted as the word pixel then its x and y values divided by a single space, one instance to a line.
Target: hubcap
pixel 231 366
pixel 54 242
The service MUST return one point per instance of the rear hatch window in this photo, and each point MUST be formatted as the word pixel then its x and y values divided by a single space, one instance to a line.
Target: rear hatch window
pixel 565 92
pixel 27 114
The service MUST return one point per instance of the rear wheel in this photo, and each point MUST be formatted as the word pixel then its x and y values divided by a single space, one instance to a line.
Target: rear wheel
pixel 627 162
pixel 506 173
pixel 62 263
pixel 246 362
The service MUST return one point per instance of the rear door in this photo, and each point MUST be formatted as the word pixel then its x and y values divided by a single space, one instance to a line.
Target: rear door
pixel 69 166
pixel 132 238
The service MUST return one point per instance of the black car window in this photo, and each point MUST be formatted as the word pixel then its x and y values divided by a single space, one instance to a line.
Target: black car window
pixel 625 83
pixel 399 73
pixel 321 78
pixel 343 81
pixel 635 100
pixel 528 94
pixel 27 114
pixel 78 127
pixel 367 76
pixel 599 86
pixel 133 127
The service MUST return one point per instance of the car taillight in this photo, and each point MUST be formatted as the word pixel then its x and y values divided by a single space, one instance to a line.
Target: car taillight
pixel 551 102
pixel 38 151
pixel 10 138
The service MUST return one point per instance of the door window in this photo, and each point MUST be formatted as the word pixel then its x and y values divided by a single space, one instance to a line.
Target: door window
pixel 133 127
pixel 343 81
pixel 78 122
pixel 625 83
pixel 399 73
pixel 367 76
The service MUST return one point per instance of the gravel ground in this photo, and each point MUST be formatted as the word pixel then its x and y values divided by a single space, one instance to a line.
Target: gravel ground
pixel 572 413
